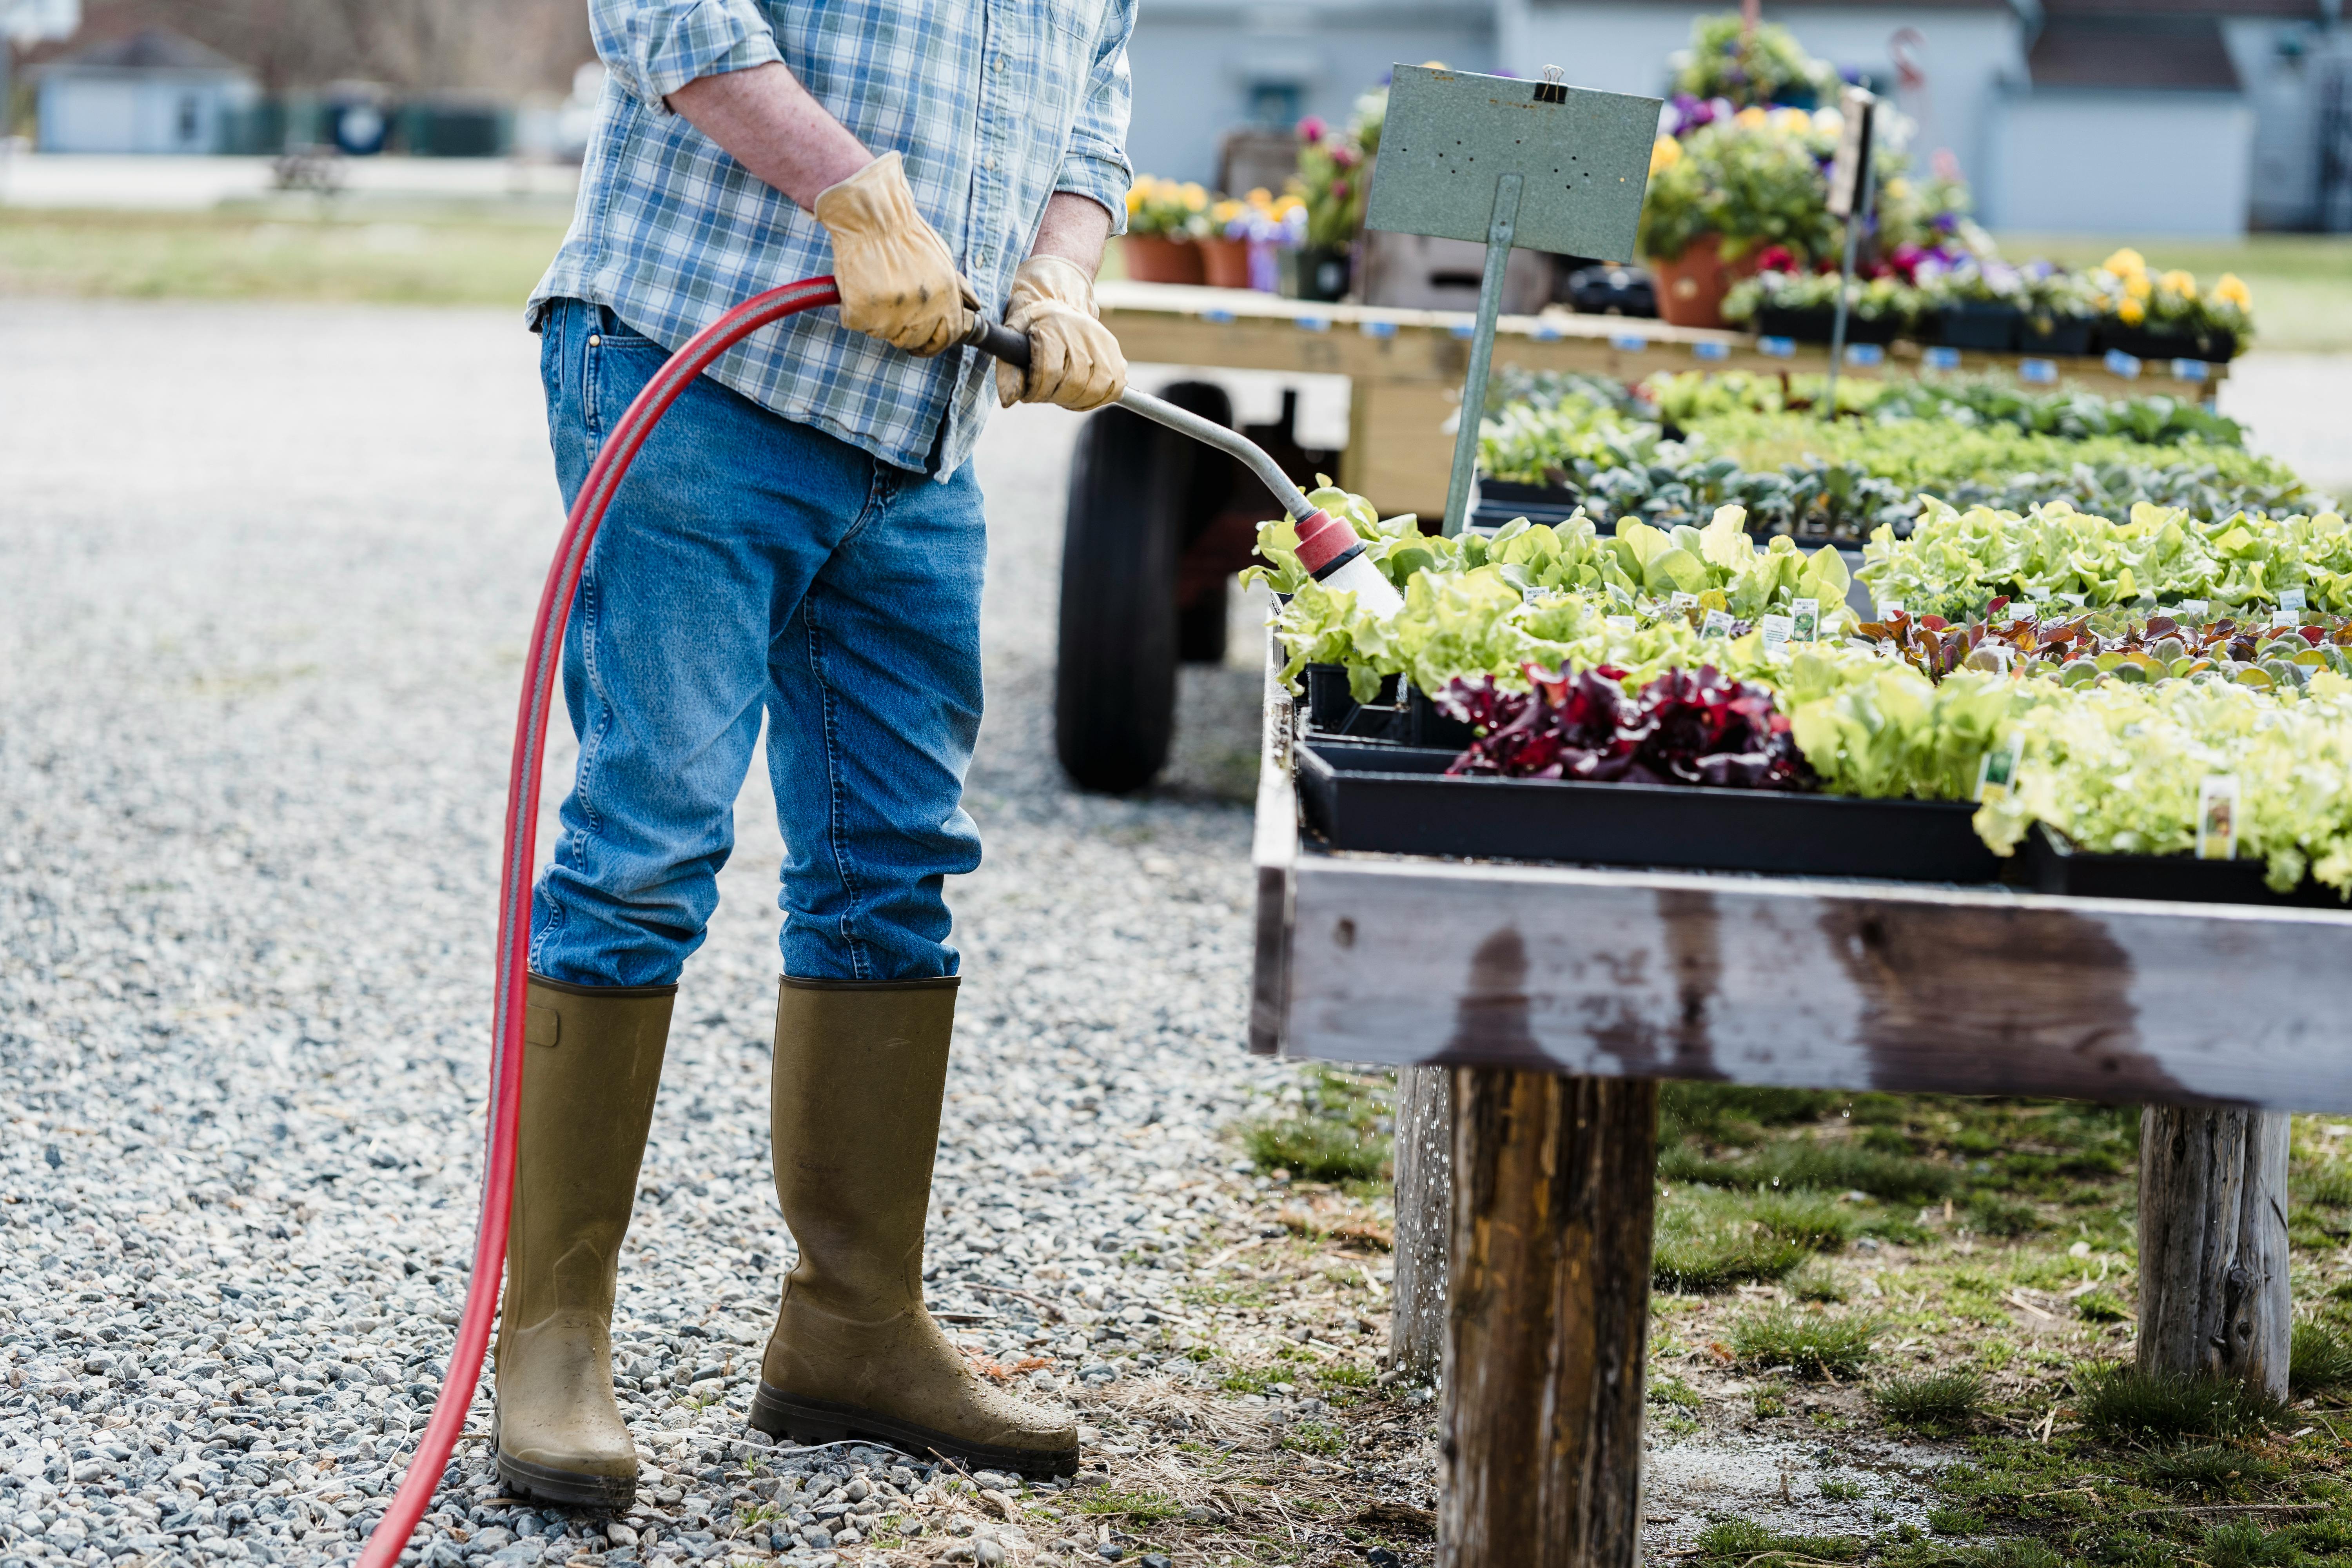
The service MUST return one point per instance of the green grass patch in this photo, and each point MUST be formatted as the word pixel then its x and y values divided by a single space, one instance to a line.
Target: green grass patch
pixel 2318 1359
pixel 1708 1242
pixel 1138 1507
pixel 2102 1306
pixel 2116 1400
pixel 1754 1546
pixel 2244 1545
pixel 2208 1467
pixel 1811 1343
pixel 1343 1131
pixel 1933 1401
pixel 376 253
pixel 1821 1164
pixel 1319 1437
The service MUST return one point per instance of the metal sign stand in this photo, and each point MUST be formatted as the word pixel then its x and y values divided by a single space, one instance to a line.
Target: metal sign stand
pixel 1853 183
pixel 1492 158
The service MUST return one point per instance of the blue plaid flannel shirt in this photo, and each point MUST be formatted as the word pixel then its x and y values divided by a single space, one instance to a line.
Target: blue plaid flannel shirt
pixel 995 105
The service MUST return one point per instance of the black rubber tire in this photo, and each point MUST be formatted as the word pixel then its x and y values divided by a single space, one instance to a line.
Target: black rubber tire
pixel 1132 497
pixel 1200 629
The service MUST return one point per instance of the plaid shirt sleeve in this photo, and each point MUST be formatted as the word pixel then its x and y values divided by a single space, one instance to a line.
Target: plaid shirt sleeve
pixel 653 47
pixel 1095 165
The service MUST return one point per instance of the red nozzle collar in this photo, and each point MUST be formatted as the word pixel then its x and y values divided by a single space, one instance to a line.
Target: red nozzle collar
pixel 1323 539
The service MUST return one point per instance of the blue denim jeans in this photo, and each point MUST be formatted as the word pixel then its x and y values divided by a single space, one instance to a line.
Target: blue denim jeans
pixel 752 565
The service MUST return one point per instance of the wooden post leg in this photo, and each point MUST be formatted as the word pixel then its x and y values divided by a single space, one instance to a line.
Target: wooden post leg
pixel 1549 1320
pixel 2213 1298
pixel 1424 1219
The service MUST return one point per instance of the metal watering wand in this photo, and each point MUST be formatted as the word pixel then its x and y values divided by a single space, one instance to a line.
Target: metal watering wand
pixel 540 674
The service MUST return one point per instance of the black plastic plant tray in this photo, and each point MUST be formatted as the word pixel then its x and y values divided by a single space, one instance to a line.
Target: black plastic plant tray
pixel 2051 865
pixel 1332 710
pixel 1397 799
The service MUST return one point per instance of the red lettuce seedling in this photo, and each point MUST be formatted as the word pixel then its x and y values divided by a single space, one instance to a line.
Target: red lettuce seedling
pixel 1694 727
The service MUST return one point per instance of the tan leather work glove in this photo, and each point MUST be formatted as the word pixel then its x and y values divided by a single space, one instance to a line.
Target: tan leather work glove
pixel 898 281
pixel 1073 359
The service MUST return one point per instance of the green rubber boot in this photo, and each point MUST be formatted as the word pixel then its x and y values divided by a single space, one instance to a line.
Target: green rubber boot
pixel 860 1069
pixel 592 1060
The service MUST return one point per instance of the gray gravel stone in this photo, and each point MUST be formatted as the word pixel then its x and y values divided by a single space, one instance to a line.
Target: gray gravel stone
pixel 269 573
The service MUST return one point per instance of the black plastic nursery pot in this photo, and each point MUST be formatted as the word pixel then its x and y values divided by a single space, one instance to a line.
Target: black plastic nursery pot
pixel 1398 799
pixel 1503 499
pixel 2146 342
pixel 1980 325
pixel 2053 865
pixel 1820 326
pixel 2055 335
pixel 1332 710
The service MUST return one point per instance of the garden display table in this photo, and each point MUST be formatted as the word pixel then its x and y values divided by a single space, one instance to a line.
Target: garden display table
pixel 1563 994
pixel 1406 366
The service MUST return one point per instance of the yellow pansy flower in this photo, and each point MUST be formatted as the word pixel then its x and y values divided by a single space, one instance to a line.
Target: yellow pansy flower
pixel 2131 313
pixel 1196 198
pixel 1259 197
pixel 2126 263
pixel 1665 153
pixel 1224 212
pixel 1135 197
pixel 1752 118
pixel 1795 122
pixel 2136 286
pixel 2231 290
pixel 1898 190
pixel 2178 282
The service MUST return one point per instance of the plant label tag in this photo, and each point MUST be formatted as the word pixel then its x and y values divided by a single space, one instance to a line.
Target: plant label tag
pixel 1628 342
pixel 1627 624
pixel 1804 620
pixel 1996 769
pixel 1682 601
pixel 2217 817
pixel 1533 594
pixel 1717 625
pixel 2020 612
pixel 2292 599
pixel 1865 356
pixel 1891 608
pixel 2287 618
pixel 2077 600
pixel 1777 348
pixel 1713 352
pixel 2192 608
pixel 2120 364
pixel 2038 372
pixel 2039 595
pixel 1850 164
pixel 1941 359
pixel 1776 630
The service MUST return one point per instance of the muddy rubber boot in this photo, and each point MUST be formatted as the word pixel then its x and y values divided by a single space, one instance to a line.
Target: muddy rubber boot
pixel 860 1069
pixel 593 1060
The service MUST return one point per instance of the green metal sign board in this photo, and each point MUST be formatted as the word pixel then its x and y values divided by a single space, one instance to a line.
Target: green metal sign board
pixel 1584 158
pixel 1492 158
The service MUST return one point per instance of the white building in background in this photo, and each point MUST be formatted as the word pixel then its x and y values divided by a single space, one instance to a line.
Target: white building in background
pixel 2145 117
pixel 152 92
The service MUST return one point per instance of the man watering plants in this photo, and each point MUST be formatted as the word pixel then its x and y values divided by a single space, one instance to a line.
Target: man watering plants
pixel 802 538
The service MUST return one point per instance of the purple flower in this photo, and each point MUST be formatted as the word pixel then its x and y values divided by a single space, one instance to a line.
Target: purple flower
pixel 1311 129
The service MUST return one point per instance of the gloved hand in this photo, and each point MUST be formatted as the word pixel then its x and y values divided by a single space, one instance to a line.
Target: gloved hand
pixel 1073 359
pixel 898 281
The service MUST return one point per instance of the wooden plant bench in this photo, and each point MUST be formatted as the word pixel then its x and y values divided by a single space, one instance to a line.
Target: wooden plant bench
pixel 1560 995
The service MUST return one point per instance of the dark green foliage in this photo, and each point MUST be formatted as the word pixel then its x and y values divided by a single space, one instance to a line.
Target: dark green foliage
pixel 2247 1545
pixel 2330 1187
pixel 1989 1214
pixel 1935 1401
pixel 1746 1542
pixel 1723 1114
pixel 2210 1468
pixel 1343 1131
pixel 2116 1400
pixel 1702 1245
pixel 2318 1358
pixel 1833 1167
pixel 2102 1306
pixel 1954 1522
pixel 1811 1343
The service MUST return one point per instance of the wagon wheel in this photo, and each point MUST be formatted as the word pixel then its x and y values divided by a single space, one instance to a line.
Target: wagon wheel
pixel 1136 493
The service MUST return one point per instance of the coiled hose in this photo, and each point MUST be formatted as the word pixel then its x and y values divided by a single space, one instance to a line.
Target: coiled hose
pixel 423 1477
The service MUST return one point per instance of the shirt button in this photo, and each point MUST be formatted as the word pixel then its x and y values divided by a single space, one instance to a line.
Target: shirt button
pixel 596 339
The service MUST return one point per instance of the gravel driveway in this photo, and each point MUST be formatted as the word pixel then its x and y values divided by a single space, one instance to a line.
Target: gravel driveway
pixel 265 575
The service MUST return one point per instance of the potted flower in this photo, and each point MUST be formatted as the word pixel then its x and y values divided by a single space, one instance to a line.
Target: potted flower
pixel 2163 316
pixel 1248 235
pixel 1332 185
pixel 1722 196
pixel 1975 303
pixel 2061 311
pixel 1743 65
pixel 1165 222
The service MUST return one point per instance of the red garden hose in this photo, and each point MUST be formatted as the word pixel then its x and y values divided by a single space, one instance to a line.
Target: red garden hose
pixel 424 1470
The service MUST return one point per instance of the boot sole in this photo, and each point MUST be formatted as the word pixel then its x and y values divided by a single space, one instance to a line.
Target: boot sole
pixel 566 1488
pixel 809 1422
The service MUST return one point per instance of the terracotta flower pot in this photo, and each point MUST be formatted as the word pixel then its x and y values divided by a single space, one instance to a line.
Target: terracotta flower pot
pixel 1692 286
pixel 1225 263
pixel 1156 259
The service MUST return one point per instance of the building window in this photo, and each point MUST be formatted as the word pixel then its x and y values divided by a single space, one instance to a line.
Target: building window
pixel 1275 104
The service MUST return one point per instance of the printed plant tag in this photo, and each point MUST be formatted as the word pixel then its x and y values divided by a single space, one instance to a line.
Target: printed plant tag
pixel 1682 601
pixel 2077 600
pixel 2019 611
pixel 2287 618
pixel 1623 624
pixel 1891 607
pixel 1776 629
pixel 2292 599
pixel 2039 595
pixel 1805 620
pixel 1717 625
pixel 2217 817
pixel 1997 770
pixel 2195 607
pixel 1537 595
